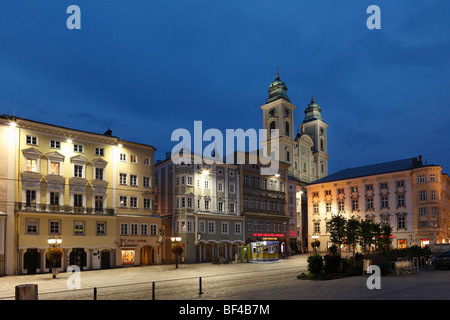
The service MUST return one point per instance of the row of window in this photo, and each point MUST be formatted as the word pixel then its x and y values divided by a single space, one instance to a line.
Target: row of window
pixel 267 226
pixel 424 211
pixel 79 171
pixel 208 227
pixel 265 205
pixel 188 180
pixel 32 227
pixel 384 202
pixel 187 202
pixel 269 184
pixel 147 203
pixel 133 180
pixel 78 200
pixel 79 148
pixel 135 229
pixel 401 224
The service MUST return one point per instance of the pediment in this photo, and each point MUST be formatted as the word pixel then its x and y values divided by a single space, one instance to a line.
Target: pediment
pixel 79 159
pixel 55 155
pixel 99 162
pixel 306 139
pixel 31 153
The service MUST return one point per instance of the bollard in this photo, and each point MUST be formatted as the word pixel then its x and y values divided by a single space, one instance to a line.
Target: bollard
pixel 200 286
pixel 27 292
pixel 153 290
pixel 95 293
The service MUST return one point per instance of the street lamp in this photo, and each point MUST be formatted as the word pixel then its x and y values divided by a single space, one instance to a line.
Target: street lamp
pixel 177 251
pixel 54 254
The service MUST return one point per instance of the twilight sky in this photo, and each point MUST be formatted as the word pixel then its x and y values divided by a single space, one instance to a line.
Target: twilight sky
pixel 146 68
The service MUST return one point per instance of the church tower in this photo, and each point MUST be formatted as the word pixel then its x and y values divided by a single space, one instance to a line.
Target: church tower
pixel 278 113
pixel 306 151
pixel 314 126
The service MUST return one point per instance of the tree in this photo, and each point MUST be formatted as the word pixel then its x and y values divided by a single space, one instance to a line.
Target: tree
pixel 336 228
pixel 353 234
pixel 386 237
pixel 366 239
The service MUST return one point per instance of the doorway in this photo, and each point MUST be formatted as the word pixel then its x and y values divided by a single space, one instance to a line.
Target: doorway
pixel 78 257
pixel 32 261
pixel 105 258
pixel 147 256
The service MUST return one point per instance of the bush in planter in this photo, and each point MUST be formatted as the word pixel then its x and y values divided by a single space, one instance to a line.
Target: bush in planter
pixel 315 263
pixel 383 261
pixel 332 261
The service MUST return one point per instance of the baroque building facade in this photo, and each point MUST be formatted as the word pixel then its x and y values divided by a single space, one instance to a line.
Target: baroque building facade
pixel 94 191
pixel 412 197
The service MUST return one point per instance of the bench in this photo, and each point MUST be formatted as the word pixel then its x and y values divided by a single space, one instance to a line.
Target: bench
pixel 406 266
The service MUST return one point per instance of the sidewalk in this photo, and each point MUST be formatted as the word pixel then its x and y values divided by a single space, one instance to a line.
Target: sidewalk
pixel 138 274
pixel 432 285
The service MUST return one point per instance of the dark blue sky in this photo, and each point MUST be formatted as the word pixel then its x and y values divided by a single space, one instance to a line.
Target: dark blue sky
pixel 146 68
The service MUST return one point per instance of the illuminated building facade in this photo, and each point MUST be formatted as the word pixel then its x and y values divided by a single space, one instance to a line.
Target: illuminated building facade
pixel 202 203
pixel 264 203
pixel 90 190
pixel 410 196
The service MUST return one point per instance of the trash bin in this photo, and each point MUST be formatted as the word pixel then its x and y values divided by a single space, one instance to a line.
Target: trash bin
pixel 366 264
pixel 27 292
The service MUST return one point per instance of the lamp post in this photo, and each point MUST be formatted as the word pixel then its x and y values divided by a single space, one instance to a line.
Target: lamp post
pixel 53 252
pixel 177 240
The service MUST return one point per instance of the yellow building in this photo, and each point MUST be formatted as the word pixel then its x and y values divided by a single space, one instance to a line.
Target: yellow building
pixel 77 186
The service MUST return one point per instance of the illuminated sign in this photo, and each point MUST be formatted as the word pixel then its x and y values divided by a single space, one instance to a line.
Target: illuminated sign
pixel 272 235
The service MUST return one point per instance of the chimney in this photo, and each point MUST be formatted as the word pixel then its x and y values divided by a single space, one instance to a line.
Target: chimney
pixel 420 159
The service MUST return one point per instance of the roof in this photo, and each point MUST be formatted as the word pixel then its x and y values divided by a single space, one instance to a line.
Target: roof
pixel 370 170
pixel 107 134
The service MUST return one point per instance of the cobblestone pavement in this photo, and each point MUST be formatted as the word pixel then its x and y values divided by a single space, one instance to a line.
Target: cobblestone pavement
pixel 246 281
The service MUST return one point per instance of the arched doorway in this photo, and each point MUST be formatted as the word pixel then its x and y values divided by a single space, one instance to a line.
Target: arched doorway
pixel 209 253
pixel 32 261
pixel 147 256
pixel 78 257
pixel 223 250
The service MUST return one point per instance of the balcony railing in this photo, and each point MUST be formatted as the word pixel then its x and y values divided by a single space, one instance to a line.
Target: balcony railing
pixel 42 207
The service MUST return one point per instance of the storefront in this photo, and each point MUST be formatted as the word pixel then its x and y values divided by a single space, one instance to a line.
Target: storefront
pixel 264 251
pixel 128 255
pixel 280 238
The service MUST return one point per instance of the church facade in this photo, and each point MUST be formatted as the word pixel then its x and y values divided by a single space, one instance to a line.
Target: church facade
pixel 303 148
pixel 306 149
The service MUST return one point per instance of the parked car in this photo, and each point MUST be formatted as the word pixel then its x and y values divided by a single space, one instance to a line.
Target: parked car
pixel 440 260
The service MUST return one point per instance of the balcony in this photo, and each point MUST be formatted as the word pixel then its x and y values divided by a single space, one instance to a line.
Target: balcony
pixel 46 208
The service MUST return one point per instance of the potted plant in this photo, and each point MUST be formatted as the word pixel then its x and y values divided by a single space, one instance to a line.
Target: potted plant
pixel 54 254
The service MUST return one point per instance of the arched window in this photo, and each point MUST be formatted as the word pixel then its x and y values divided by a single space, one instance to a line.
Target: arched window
pixel 288 156
pixel 287 129
pixel 272 126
